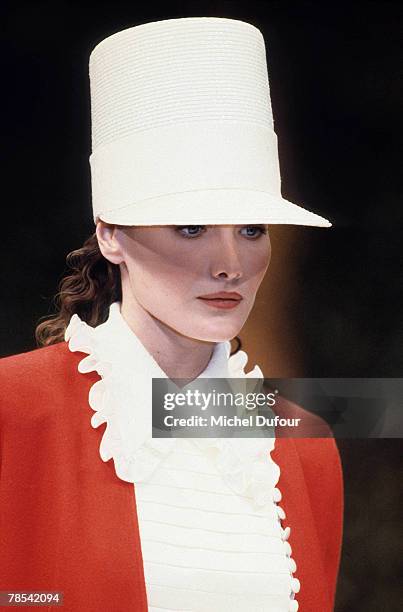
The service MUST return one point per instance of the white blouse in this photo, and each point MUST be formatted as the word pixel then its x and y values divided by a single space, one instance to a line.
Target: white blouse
pixel 210 527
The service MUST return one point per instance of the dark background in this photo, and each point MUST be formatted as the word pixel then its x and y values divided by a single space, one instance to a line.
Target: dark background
pixel 336 73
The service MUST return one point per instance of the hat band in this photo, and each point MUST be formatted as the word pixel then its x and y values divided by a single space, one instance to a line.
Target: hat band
pixel 184 157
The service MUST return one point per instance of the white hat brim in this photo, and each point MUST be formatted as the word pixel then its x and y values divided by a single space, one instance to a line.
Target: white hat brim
pixel 214 206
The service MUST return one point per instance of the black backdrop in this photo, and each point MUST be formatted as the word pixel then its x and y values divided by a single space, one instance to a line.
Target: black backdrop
pixel 336 73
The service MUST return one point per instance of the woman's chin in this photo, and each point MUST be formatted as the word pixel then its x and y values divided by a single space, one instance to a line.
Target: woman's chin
pixel 210 327
pixel 217 333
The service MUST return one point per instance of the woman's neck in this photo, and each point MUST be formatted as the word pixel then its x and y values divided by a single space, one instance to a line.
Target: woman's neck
pixel 177 355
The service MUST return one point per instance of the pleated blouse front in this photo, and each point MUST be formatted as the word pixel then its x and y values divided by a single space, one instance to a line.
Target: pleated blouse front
pixel 211 530
pixel 206 548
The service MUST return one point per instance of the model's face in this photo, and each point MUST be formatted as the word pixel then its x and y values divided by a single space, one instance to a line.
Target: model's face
pixel 170 269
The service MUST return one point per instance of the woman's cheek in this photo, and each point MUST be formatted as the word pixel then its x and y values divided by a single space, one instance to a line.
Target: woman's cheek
pixel 262 267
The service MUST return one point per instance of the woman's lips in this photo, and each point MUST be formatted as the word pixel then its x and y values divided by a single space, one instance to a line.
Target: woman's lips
pixel 224 300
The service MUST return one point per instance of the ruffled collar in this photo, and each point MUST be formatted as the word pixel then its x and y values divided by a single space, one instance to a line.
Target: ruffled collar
pixel 122 400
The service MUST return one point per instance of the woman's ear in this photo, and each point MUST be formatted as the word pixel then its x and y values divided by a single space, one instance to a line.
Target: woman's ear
pixel 108 242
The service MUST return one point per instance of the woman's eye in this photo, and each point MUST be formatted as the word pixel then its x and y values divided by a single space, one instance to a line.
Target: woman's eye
pixel 190 231
pixel 254 231
pixel 193 231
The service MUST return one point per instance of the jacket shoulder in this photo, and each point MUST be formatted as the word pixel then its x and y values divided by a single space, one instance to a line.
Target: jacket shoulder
pixel 33 381
pixel 307 424
pixel 26 369
pixel 35 358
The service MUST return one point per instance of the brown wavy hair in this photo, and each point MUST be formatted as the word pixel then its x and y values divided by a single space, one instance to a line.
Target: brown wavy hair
pixel 89 288
pixel 91 285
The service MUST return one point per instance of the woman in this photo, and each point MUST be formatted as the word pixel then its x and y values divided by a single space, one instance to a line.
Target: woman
pixel 185 184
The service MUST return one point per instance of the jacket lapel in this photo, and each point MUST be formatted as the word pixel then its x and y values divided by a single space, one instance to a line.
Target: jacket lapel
pixel 100 556
pixel 304 538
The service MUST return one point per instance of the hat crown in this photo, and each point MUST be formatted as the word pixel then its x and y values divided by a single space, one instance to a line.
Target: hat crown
pixel 175 71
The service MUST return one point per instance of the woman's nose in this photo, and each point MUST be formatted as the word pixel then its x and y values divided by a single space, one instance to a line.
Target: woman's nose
pixel 226 261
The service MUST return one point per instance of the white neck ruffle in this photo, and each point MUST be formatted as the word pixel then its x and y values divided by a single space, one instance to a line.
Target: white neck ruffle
pixel 122 400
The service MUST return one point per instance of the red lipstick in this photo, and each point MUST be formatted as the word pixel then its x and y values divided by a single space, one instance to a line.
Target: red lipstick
pixel 223 299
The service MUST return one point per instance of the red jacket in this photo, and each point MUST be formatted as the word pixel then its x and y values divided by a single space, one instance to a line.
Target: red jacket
pixel 69 524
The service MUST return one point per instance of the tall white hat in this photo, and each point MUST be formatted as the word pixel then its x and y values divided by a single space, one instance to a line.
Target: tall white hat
pixel 182 127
